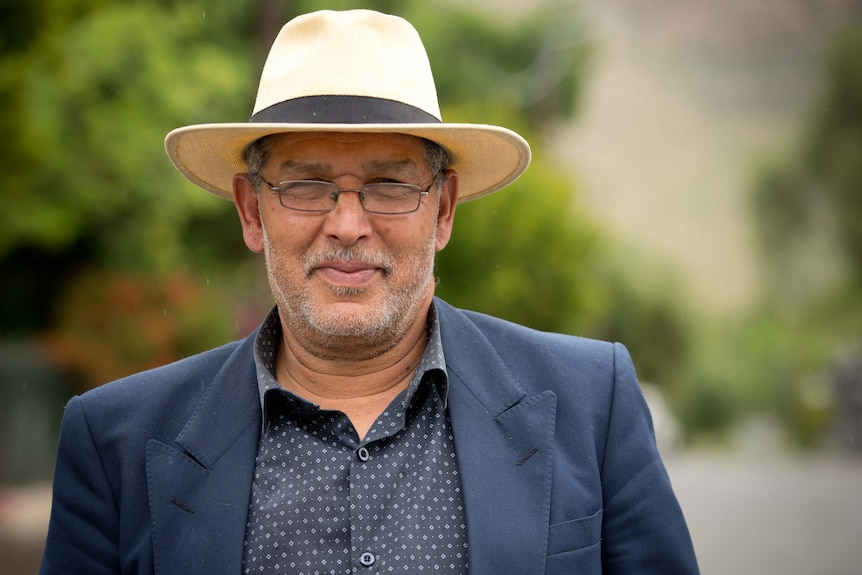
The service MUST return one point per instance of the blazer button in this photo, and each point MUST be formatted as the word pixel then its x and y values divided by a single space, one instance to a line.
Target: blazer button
pixel 367 559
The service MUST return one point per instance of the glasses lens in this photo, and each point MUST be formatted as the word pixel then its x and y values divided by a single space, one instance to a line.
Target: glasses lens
pixel 319 196
pixel 386 198
pixel 307 195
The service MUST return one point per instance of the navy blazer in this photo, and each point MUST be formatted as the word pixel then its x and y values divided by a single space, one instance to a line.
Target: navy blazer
pixel 554 441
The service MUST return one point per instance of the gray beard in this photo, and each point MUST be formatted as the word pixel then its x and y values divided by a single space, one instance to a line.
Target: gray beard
pixel 376 331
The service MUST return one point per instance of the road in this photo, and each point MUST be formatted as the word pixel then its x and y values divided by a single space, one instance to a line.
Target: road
pixel 764 515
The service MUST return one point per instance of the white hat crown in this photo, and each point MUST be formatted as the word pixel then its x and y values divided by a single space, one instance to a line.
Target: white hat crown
pixel 353 53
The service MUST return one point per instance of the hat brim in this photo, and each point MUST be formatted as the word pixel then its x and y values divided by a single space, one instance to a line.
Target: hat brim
pixel 486 157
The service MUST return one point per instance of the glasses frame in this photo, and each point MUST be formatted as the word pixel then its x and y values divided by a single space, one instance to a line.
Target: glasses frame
pixel 336 192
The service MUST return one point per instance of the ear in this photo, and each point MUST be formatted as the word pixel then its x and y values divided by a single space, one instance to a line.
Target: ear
pixel 446 210
pixel 245 197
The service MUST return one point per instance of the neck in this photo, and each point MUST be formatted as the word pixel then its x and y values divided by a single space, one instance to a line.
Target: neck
pixel 357 381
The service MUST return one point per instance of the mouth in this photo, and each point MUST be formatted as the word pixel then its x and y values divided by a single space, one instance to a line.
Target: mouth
pixel 348 267
pixel 348 274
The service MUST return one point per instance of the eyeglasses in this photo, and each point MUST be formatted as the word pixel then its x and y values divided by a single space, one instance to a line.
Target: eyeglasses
pixel 377 198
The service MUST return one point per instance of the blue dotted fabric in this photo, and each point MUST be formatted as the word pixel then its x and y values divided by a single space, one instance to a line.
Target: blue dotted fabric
pixel 324 502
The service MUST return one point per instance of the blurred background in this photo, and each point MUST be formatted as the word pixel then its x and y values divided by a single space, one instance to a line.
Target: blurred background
pixel 696 193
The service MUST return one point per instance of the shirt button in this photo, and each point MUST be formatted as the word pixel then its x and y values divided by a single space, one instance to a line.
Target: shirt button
pixel 367 559
pixel 363 454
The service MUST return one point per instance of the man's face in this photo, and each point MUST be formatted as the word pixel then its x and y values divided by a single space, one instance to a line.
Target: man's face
pixel 348 277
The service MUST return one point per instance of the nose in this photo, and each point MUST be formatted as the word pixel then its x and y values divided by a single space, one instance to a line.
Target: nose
pixel 348 222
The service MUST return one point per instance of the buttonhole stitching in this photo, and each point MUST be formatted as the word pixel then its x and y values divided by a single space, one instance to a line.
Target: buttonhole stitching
pixel 527 456
pixel 182 505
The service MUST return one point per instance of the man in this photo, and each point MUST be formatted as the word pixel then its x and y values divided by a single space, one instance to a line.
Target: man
pixel 366 427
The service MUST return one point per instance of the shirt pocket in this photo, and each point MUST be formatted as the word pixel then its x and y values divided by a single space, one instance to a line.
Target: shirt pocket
pixel 575 534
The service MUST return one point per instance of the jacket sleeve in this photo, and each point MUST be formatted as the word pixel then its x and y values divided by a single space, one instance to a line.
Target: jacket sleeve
pixel 643 530
pixel 84 527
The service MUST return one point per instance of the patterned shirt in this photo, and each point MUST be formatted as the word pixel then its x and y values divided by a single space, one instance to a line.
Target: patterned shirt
pixel 323 501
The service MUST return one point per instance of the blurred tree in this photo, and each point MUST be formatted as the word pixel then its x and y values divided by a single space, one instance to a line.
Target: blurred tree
pixel 113 324
pixel 524 254
pixel 86 109
pixel 834 144
pixel 89 92
pixel 808 210
pixel 86 98
pixel 813 198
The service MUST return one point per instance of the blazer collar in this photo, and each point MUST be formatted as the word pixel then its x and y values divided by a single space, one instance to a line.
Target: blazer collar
pixel 504 440
pixel 199 485
pixel 228 407
pixel 471 356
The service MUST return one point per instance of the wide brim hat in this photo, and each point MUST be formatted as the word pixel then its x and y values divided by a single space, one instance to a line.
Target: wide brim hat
pixel 349 71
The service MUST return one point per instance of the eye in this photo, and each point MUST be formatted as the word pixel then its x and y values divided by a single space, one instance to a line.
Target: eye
pixel 307 189
pixel 385 191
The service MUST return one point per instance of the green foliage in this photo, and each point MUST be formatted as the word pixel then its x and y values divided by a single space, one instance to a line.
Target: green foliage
pixel 85 114
pixel 808 212
pixel 533 68
pixel 522 254
pixel 753 366
pixel 816 193
pixel 529 255
pixel 834 145
pixel 640 305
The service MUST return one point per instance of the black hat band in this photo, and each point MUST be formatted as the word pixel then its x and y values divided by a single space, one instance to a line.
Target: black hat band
pixel 343 110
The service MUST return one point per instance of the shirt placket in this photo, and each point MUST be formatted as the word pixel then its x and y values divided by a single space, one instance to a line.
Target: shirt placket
pixel 367 547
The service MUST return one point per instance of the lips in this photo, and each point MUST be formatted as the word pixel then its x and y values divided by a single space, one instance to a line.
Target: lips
pixel 348 274
pixel 351 267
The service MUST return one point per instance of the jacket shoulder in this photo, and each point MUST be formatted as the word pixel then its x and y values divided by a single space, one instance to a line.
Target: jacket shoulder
pixel 161 399
pixel 166 378
pixel 515 342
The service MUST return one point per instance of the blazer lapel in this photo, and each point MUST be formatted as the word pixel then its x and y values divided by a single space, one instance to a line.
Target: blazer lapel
pixel 504 442
pixel 199 486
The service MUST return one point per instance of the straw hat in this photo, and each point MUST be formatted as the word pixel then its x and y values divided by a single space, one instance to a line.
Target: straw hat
pixel 351 71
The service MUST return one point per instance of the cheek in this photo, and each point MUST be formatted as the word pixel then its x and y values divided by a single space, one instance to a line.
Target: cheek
pixel 417 255
pixel 415 242
pixel 288 235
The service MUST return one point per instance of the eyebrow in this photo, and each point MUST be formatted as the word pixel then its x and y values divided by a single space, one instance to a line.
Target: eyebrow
pixel 400 166
pixel 301 166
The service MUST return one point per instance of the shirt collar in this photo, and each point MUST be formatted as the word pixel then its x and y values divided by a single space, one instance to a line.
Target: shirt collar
pixel 431 367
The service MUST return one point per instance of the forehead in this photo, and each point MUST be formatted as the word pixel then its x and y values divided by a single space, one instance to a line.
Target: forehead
pixel 355 149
